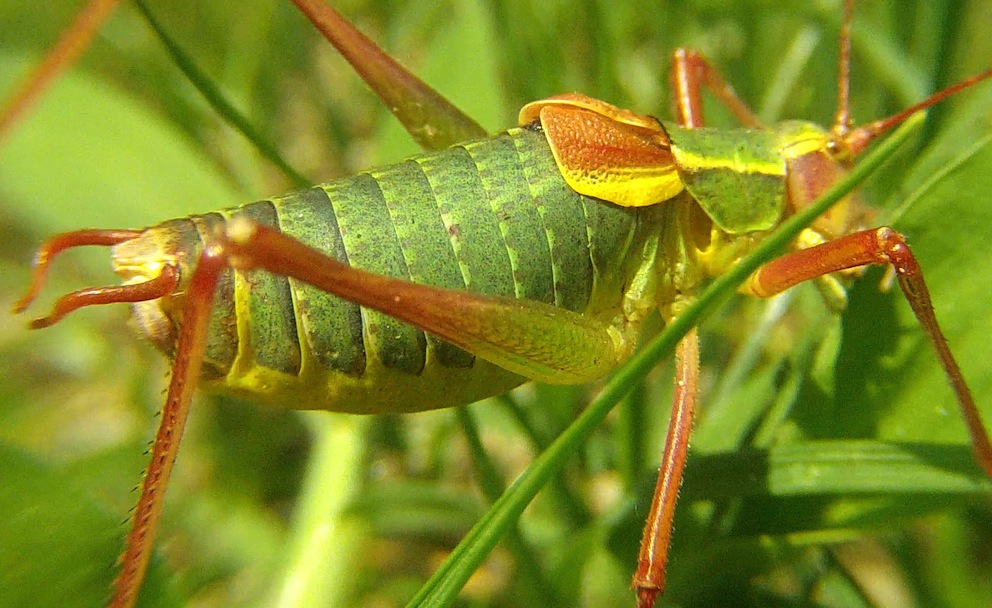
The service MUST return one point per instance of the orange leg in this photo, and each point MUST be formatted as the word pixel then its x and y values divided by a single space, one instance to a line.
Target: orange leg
pixel 879 246
pixel 690 73
pixel 649 578
pixel 190 349
pixel 71 45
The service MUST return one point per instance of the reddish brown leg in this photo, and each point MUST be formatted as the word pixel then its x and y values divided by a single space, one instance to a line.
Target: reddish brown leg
pixel 66 52
pixel 190 348
pixel 880 246
pixel 690 73
pixel 189 354
pixel 420 108
pixel 649 578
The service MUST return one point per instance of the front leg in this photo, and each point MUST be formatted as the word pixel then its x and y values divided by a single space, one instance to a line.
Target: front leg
pixel 879 246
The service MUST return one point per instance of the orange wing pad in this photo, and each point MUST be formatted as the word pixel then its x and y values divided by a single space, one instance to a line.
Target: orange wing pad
pixel 606 152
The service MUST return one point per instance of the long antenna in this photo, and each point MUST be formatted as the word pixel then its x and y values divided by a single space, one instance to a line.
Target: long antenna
pixel 842 120
pixel 854 141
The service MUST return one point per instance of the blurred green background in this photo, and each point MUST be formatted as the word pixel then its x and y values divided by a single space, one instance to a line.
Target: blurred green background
pixel 279 508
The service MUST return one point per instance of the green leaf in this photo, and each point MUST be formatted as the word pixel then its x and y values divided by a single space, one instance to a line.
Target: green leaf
pixel 59 544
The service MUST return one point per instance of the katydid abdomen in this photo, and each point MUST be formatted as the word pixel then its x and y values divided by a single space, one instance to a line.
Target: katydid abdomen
pixel 491 216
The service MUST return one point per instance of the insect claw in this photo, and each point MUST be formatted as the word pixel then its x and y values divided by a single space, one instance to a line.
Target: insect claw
pixel 646 597
pixel 43 322
pixel 22 304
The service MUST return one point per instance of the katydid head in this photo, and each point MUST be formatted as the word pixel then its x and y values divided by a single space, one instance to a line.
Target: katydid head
pixel 812 172
pixel 811 176
pixel 814 166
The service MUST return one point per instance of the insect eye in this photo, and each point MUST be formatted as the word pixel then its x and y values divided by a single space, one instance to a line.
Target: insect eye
pixel 838 150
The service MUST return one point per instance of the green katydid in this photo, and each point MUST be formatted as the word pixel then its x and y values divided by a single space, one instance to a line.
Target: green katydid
pixel 568 103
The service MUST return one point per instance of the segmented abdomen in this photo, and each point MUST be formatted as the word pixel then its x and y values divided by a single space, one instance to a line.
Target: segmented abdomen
pixel 492 216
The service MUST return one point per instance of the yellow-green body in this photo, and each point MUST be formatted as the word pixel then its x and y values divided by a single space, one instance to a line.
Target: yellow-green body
pixel 493 216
